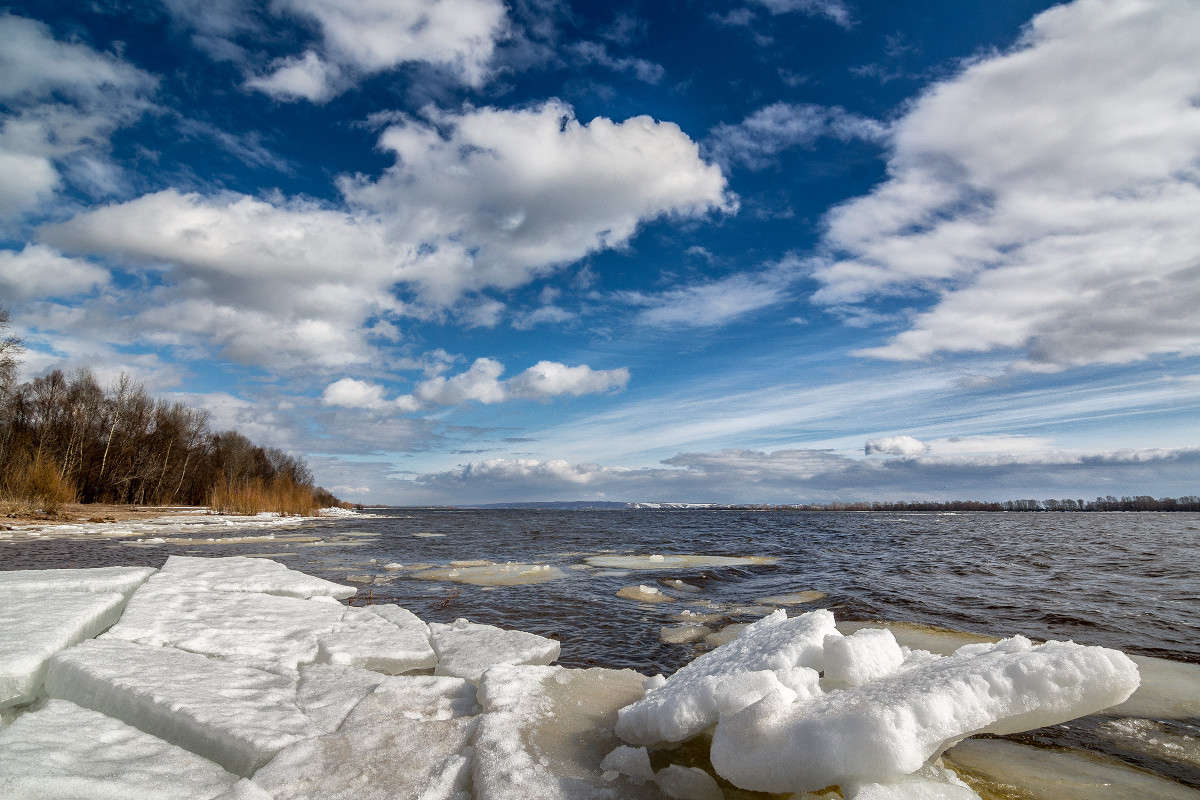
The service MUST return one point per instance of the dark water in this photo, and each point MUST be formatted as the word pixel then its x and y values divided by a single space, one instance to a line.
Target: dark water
pixel 1125 580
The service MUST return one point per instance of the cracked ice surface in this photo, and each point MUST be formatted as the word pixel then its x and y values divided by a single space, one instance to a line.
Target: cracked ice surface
pixel 467 649
pixel 244 574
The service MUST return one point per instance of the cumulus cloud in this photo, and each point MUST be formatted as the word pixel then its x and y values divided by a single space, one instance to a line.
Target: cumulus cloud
pixel 906 446
pixel 363 37
pixel 62 102
pixel 481 383
pixel 40 271
pixel 757 140
pixel 1045 195
pixel 483 199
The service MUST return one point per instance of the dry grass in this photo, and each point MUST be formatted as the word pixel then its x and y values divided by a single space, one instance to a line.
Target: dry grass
pixel 38 485
pixel 252 497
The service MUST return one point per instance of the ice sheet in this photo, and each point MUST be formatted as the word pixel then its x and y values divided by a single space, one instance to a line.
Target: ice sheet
pixel 509 574
pixel 327 693
pixel 65 752
pixel 466 649
pixel 235 715
pixel 546 731
pixel 773 653
pixel 887 728
pixel 122 580
pixel 655 561
pixel 407 740
pixel 370 639
pixel 242 574
pixel 35 626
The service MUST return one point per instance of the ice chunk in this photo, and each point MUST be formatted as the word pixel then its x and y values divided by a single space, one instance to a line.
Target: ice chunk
pixel 670 562
pixel 1169 690
pixel 632 762
pixel 265 630
pixel 407 740
pixel 1037 773
pixel 890 727
pixel 467 649
pixel 122 580
pixel 327 693
pixel 775 652
pixel 546 731
pixel 645 594
pixel 34 627
pixel 680 586
pixel 65 752
pixel 688 783
pixel 510 574
pixel 235 715
pixel 682 634
pixel 726 634
pixel 792 598
pixel 243 574
pixel 942 641
pixel 865 655
pixel 928 783
pixel 367 639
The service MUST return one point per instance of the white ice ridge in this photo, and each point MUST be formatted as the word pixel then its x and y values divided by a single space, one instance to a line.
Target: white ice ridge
pixel 775 654
pixel 235 715
pixel 467 649
pixel 890 727
pixel 33 627
pixel 122 580
pixel 243 574
pixel 65 752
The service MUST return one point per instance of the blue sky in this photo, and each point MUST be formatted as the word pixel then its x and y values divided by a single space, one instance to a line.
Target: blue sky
pixel 459 251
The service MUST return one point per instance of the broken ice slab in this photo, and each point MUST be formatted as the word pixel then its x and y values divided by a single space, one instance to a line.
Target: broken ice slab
pixel 642 593
pixel 391 641
pixel 488 574
pixel 773 653
pixel 863 656
pixel 65 752
pixel 235 715
pixel 407 740
pixel 683 634
pixel 265 630
pixel 244 574
pixel 889 727
pixel 34 626
pixel 793 598
pixel 327 693
pixel 467 649
pixel 545 732
pixel 687 783
pixel 657 561
pixel 122 580
pixel 999 768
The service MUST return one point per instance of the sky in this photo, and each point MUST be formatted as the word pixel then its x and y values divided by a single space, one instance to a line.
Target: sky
pixel 776 251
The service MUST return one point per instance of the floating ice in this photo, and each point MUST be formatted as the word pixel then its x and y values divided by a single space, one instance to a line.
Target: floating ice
pixel 688 783
pixel 666 562
pixel 546 731
pixel 1035 773
pixel 98 579
pixel 65 752
pixel 367 638
pixel 928 783
pixel 682 634
pixel 632 762
pixel 467 649
pixel 887 728
pixel 407 740
pixel 680 586
pixel 645 594
pixel 792 598
pixel 241 574
pixel 726 634
pixel 34 627
pixel 863 656
pixel 775 653
pixel 510 574
pixel 235 715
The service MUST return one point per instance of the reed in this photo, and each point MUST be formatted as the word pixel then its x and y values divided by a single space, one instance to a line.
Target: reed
pixel 38 484
pixel 281 494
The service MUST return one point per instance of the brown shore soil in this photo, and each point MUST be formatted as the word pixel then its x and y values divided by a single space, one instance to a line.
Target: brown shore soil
pixel 84 512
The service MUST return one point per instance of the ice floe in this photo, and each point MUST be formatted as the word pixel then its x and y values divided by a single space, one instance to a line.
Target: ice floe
pixel 656 561
pixel 641 593
pixel 793 598
pixel 98 579
pixel 466 649
pixel 683 634
pixel 489 574
pixel 242 574
pixel 372 640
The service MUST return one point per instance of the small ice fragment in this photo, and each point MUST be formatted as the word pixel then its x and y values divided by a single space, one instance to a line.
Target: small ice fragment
pixel 727 634
pixel 792 598
pixel 680 586
pixel 682 634
pixel 645 594
pixel 863 656
pixel 632 762
pixel 687 783
pixel 466 649
pixel 659 562
pixel 489 574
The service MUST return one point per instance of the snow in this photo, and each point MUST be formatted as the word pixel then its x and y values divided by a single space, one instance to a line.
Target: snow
pixel 235 715
pixel 65 752
pixel 545 733
pixel 122 580
pixel 467 649
pixel 773 654
pixel 367 638
pixel 34 626
pixel 406 740
pixel 667 562
pixel 509 574
pixel 889 727
pixel 863 656
pixel 644 594
pixel 688 783
pixel 242 574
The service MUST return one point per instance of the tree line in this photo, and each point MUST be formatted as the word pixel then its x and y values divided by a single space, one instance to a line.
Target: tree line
pixel 65 438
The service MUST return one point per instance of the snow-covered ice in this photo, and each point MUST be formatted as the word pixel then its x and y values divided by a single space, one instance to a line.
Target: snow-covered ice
pixel 865 655
pixel 242 574
pixel 467 649
pixel 65 752
pixel 34 626
pixel 773 653
pixel 326 693
pixel 890 727
pixel 237 716
pixel 365 637
pixel 122 580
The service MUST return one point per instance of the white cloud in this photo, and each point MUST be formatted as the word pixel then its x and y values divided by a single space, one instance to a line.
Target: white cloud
pixel 717 302
pixel 485 199
pixel 547 314
pixel 597 53
pixel 834 10
pixel 40 271
pixel 351 393
pixel 760 137
pixel 363 37
pixel 1047 195
pixel 906 446
pixel 547 379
